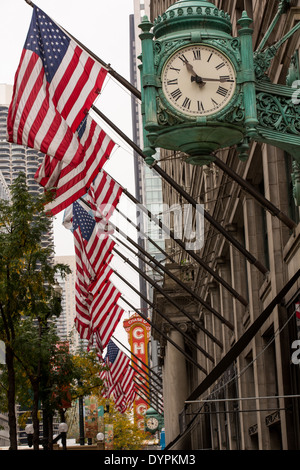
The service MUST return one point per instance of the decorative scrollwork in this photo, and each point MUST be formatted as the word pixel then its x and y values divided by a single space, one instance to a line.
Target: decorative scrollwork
pixel 165 117
pixel 232 47
pixel 296 182
pixel 236 114
pixel 166 48
pixel 278 113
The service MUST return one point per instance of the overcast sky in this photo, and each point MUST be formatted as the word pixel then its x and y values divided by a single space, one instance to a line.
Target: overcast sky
pixel 103 27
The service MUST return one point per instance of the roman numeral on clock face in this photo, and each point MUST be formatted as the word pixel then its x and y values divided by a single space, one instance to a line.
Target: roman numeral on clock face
pixel 176 94
pixel 183 58
pixel 218 67
pixel 174 81
pixel 222 91
pixel 225 78
pixel 200 106
pixel 187 103
pixel 197 54
pixel 176 70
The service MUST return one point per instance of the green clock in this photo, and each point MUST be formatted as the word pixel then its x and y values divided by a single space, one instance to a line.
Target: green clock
pixel 198 80
pixel 195 77
pixel 152 424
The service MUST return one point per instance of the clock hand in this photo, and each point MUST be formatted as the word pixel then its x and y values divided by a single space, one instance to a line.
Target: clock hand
pixel 198 80
pixel 195 77
pixel 222 80
pixel 190 68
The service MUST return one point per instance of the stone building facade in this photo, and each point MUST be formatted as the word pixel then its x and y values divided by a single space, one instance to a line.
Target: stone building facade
pixel 254 401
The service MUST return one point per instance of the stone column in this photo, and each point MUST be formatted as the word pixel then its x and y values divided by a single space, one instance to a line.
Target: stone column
pixel 239 282
pixel 216 327
pixel 254 243
pixel 226 301
pixel 175 385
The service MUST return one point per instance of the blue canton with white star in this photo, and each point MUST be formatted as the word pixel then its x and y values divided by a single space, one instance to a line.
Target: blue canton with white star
pixel 47 40
pixel 82 219
pixel 112 352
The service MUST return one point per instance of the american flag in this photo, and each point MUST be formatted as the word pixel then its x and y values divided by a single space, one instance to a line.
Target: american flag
pixel 106 327
pixel 118 380
pixel 92 246
pixel 70 182
pixel 55 85
pixel 97 311
pixel 103 196
pixel 103 304
pixel 85 293
pixel 297 307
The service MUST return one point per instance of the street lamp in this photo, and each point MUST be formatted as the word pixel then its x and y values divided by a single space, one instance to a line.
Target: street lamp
pixel 29 433
pixel 100 438
pixel 62 428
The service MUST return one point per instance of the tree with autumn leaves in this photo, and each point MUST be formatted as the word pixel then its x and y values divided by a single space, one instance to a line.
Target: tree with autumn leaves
pixel 40 371
pixel 126 434
pixel 28 295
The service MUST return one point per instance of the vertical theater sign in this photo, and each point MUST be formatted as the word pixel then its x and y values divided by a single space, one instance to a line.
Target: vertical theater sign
pixel 138 337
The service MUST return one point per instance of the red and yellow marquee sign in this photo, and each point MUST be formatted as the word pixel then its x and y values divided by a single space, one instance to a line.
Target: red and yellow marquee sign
pixel 138 337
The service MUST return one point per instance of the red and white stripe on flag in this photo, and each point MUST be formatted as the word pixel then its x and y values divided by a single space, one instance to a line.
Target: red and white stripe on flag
pixel 107 326
pixel 103 196
pixel 94 254
pixel 84 298
pixel 70 182
pixel 118 380
pixel 103 305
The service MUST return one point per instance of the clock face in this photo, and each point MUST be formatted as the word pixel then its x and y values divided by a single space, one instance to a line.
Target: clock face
pixel 152 423
pixel 198 80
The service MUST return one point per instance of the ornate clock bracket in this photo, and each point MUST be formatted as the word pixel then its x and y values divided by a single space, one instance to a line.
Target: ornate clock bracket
pixel 278 110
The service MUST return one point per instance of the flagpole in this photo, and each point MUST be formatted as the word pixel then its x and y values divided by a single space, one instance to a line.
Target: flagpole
pixel 139 359
pixel 149 380
pixel 145 235
pixel 148 384
pixel 188 338
pixel 187 196
pixel 170 299
pixel 192 254
pixel 176 279
pixel 143 370
pixel 150 402
pixel 156 400
pixel 167 338
pixel 252 191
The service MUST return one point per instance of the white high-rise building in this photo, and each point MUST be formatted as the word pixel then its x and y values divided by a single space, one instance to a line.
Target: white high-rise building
pixel 65 323
pixel 16 158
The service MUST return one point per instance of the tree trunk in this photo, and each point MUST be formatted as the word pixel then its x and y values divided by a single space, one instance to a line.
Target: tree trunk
pixel 50 432
pixel 35 417
pixel 11 399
